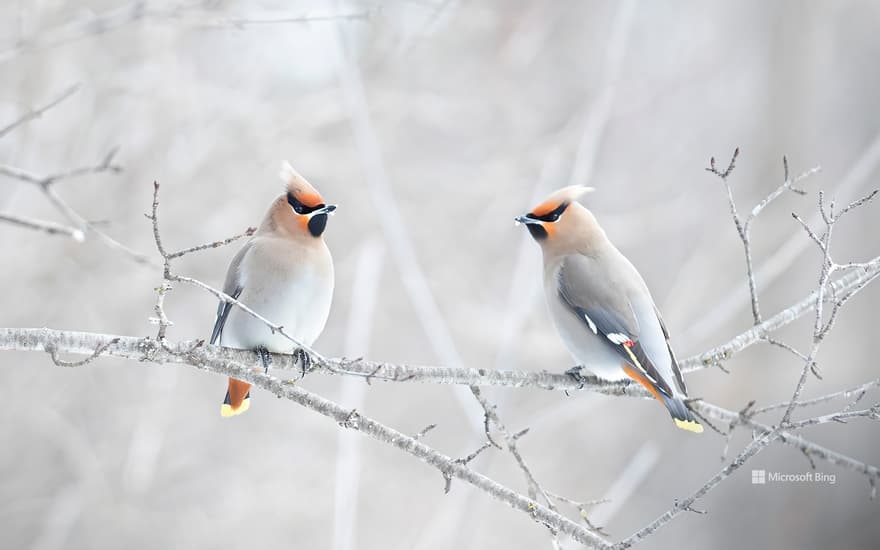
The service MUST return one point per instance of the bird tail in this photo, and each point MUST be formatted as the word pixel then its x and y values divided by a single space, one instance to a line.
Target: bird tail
pixel 682 416
pixel 238 398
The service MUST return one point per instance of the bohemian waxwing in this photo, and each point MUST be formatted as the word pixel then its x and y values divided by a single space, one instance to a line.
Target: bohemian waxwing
pixel 601 306
pixel 284 273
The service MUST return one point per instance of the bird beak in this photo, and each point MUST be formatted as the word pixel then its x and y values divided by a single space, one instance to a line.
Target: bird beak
pixel 525 220
pixel 329 209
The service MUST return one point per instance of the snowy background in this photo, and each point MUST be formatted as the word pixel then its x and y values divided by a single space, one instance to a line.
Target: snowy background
pixel 466 112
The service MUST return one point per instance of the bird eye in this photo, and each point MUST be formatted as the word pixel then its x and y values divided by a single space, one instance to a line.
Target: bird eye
pixel 297 206
pixel 553 215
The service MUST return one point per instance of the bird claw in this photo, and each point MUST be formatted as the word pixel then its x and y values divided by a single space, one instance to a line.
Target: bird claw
pixel 575 374
pixel 265 357
pixel 304 359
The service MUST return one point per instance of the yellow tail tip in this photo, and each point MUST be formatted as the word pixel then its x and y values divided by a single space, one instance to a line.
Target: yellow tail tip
pixel 689 425
pixel 226 409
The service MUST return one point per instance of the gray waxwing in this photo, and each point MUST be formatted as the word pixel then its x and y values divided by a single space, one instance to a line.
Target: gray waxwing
pixel 284 273
pixel 600 304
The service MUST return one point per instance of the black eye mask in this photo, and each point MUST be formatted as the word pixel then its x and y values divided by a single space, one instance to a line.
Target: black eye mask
pixel 300 208
pixel 551 216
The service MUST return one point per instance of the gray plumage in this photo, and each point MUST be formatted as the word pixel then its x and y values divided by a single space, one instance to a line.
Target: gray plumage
pixel 600 304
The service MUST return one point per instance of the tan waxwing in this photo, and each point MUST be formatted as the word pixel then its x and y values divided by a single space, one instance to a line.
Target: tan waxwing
pixel 600 305
pixel 284 273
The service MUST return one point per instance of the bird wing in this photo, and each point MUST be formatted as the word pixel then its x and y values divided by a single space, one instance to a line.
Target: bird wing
pixel 679 380
pixel 606 309
pixel 233 287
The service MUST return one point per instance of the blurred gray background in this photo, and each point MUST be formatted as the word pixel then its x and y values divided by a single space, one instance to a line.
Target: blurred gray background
pixel 467 112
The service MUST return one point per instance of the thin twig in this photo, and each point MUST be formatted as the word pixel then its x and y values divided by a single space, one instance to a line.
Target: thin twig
pixel 424 431
pixel 753 448
pixel 50 227
pixel 244 22
pixel 811 449
pixel 216 244
pixel 36 113
pixel 743 227
pixel 106 164
pixel 820 327
pixel 872 413
pixel 843 285
pixel 46 185
pixel 822 399
pixel 100 349
pixel 861 170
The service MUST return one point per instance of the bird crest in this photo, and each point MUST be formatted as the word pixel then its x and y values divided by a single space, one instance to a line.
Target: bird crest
pixel 298 187
pixel 561 196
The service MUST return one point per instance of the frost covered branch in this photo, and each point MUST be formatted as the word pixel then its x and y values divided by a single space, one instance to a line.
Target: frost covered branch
pixel 744 227
pixel 225 362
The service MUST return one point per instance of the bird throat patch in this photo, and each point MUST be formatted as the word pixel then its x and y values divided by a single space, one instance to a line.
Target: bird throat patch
pixel 317 224
pixel 537 230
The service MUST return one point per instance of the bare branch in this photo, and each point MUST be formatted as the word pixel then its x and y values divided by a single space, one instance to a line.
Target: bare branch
pixel 583 509
pixel 786 436
pixel 743 228
pixel 787 185
pixel 46 185
pixel 104 165
pixel 424 431
pixel 101 348
pixel 872 413
pixel 491 416
pixel 730 166
pixel 36 113
pixel 842 285
pixel 815 238
pixel 821 328
pixel 753 448
pixel 244 22
pixel 52 228
pixel 862 168
pixel 858 202
pixel 222 361
pixel 216 244
pixel 189 13
pixel 860 389
pixel 84 343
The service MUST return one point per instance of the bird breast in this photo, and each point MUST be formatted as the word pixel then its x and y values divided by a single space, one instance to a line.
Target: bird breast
pixel 288 283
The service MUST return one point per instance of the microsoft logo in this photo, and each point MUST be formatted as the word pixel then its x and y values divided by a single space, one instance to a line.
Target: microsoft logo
pixel 759 477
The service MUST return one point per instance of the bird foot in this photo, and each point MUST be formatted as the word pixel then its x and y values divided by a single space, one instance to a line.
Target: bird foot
pixel 304 359
pixel 265 357
pixel 575 373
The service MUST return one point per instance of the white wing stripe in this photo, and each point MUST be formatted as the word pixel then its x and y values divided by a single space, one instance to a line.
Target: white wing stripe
pixel 591 323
